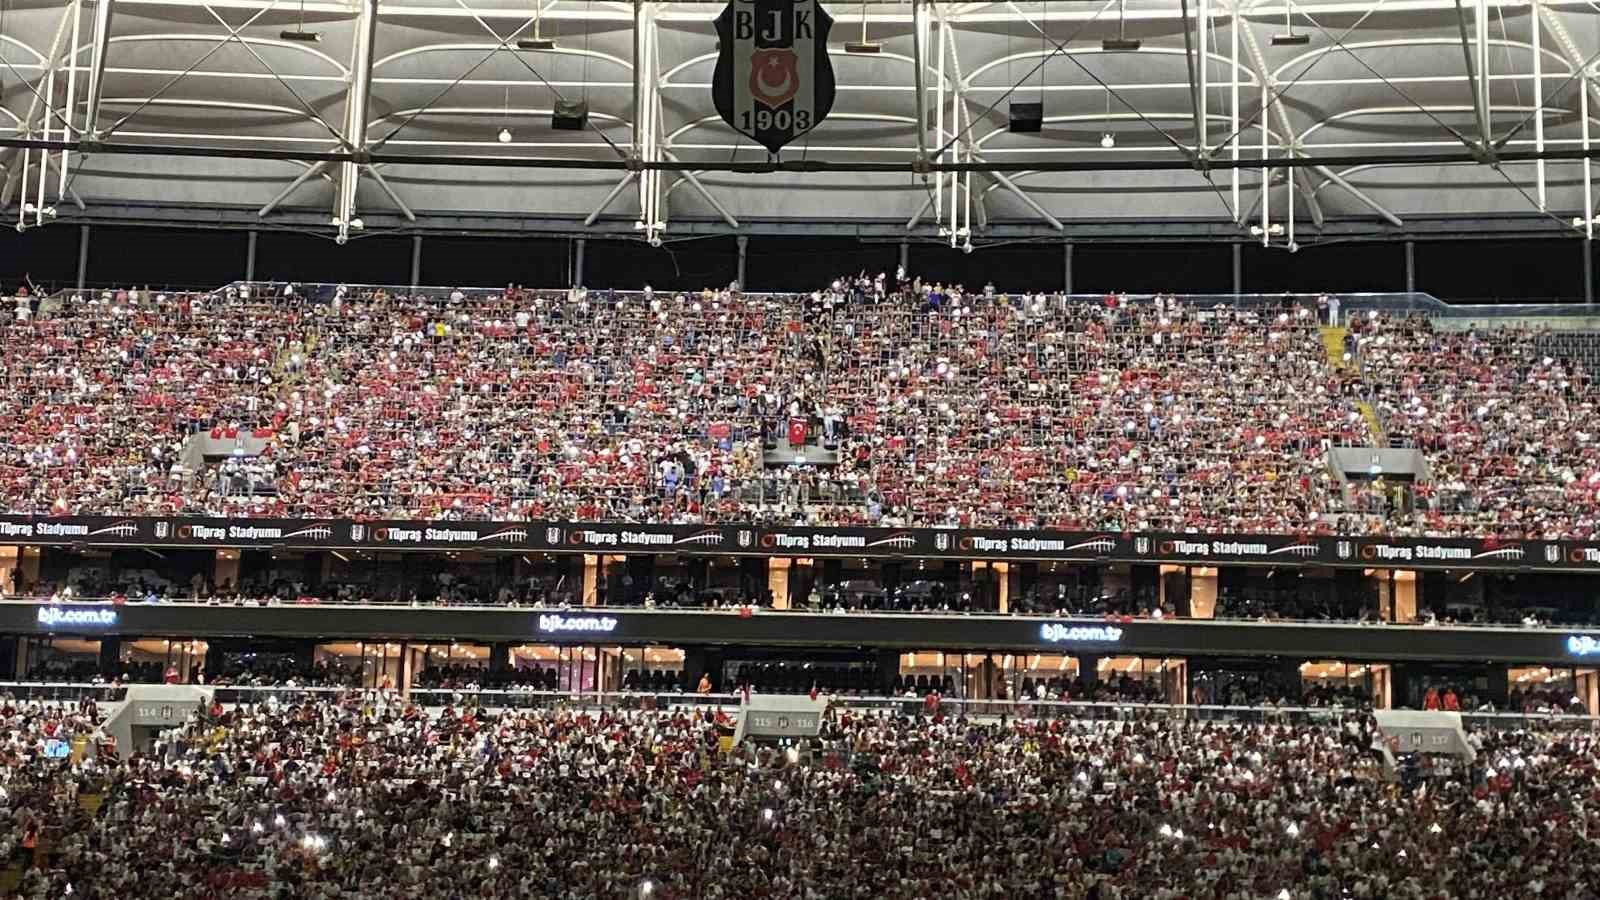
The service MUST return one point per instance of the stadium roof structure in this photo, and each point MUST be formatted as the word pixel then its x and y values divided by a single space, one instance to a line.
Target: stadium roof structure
pixel 1392 117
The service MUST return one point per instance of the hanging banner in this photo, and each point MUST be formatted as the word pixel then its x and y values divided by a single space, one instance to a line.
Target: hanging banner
pixel 1277 550
pixel 773 82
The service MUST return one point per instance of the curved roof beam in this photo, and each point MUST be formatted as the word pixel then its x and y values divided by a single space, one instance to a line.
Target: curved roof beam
pixel 857 117
pixel 1415 110
pixel 1452 43
pixel 486 46
pixel 420 112
pixel 1248 79
pixel 210 104
pixel 182 36
pixel 1374 167
pixel 666 77
pixel 38 58
pixel 1120 117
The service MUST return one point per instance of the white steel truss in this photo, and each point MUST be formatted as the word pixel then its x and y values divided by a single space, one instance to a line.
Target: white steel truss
pixel 1497 91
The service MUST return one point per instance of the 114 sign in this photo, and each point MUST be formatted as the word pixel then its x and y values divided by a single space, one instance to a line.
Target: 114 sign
pixel 773 81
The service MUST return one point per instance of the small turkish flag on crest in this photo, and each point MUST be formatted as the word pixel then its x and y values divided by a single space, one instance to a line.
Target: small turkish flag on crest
pixel 774 76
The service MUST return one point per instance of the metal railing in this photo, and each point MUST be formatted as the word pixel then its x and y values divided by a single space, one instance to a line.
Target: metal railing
pixel 1066 710
pixel 737 609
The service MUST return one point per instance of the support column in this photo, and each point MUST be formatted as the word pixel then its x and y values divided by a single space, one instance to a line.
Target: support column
pixel 1175 681
pixel 1405 596
pixel 591 579
pixel 1238 269
pixel 27 573
pixel 355 122
pixel 1397 594
pixel 578 248
pixel 9 575
pixel 1172 589
pixel 250 255
pixel 1203 592
pixel 744 245
pixel 1588 271
pixel 1585 684
pixel 1066 262
pixel 801 578
pixel 778 580
pixel 500 656
pixel 408 669
pixel 416 260
pixel 11 649
pixel 905 258
pixel 225 569
pixel 1411 266
pixel 83 254
pixel 97 66
pixel 110 656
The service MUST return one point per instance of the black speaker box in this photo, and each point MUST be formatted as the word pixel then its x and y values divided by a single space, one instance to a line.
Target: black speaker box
pixel 570 115
pixel 1027 117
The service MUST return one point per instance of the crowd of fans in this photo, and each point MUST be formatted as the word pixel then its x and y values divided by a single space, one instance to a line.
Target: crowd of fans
pixel 1118 688
pixel 1502 415
pixel 945 407
pixel 355 800
pixel 931 405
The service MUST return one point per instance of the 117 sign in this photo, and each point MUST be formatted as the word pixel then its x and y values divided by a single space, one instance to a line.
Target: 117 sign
pixel 773 81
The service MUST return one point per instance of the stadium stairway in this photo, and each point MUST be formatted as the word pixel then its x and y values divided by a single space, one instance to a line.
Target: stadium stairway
pixel 1333 343
pixel 1379 439
pixel 90 803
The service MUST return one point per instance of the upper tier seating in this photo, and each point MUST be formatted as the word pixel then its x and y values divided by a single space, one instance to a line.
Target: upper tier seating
pixel 944 407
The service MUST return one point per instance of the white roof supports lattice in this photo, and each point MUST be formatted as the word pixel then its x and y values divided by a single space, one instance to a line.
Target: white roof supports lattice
pixel 1398 115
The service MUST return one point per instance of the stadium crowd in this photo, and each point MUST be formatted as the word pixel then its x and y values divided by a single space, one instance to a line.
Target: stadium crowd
pixel 944 407
pixel 346 800
pixel 1503 416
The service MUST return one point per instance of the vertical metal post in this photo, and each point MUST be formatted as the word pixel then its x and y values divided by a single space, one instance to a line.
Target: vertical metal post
pixel 1202 24
pixel 638 72
pixel 1238 268
pixel 919 36
pixel 1411 266
pixel 938 121
pixel 1588 271
pixel 578 249
pixel 83 255
pixel 905 258
pixel 744 246
pixel 1066 262
pixel 1485 112
pixel 355 104
pixel 1588 183
pixel 1233 103
pixel 416 260
pixel 44 123
pixel 72 95
pixel 1266 172
pixel 250 255
pixel 1536 25
pixel 97 66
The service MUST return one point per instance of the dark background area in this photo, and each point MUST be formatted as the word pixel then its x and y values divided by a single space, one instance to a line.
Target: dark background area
pixel 1535 269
